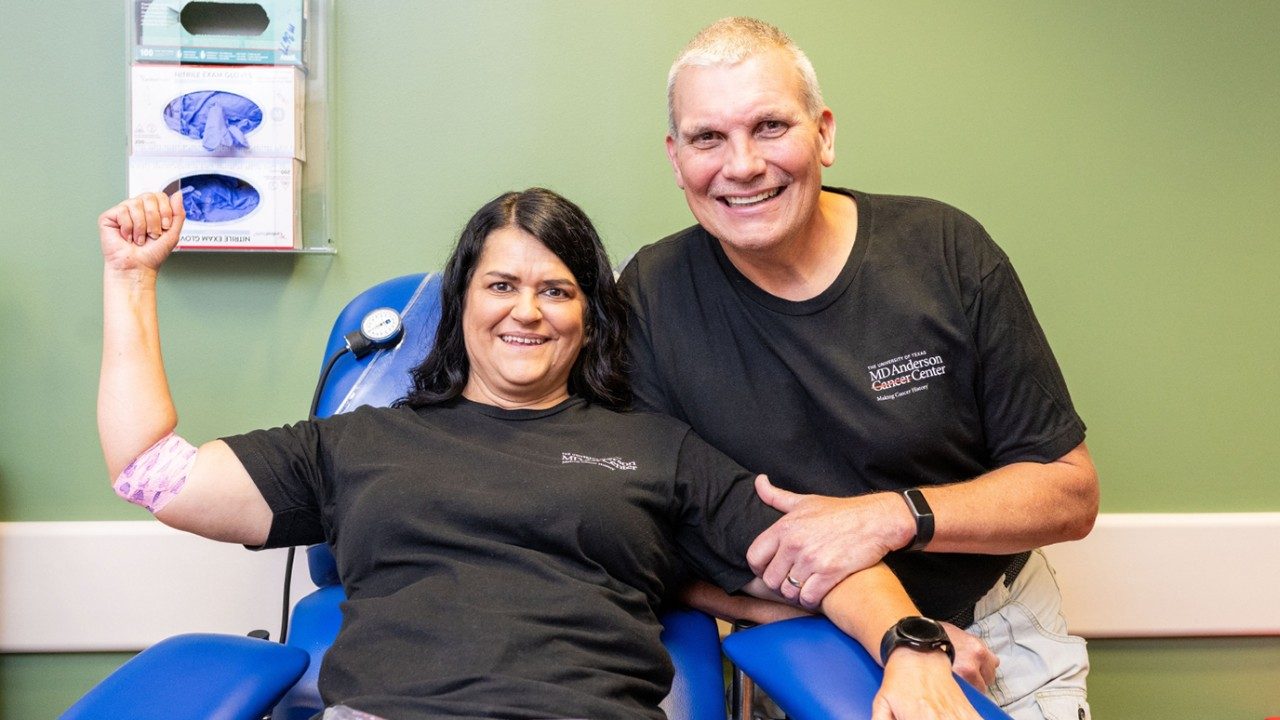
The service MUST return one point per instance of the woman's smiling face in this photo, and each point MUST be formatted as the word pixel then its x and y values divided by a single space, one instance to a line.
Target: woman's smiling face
pixel 522 323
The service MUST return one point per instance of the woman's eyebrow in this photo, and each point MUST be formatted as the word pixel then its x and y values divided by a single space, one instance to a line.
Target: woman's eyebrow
pixel 560 281
pixel 500 275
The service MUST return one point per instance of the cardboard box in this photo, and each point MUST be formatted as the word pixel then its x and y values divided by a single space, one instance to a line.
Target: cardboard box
pixel 278 93
pixel 272 225
pixel 238 32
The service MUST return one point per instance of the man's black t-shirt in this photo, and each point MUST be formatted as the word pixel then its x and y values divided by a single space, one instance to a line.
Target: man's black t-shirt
pixel 504 564
pixel 921 364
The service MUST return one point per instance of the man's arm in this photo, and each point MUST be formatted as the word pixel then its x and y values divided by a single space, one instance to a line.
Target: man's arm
pixel 1018 507
pixel 1014 508
pixel 974 660
pixel 917 684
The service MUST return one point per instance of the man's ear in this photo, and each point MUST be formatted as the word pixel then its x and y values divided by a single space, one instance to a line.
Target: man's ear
pixel 675 162
pixel 827 136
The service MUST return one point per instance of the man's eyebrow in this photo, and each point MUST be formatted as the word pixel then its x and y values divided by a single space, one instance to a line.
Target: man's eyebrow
pixel 695 131
pixel 772 113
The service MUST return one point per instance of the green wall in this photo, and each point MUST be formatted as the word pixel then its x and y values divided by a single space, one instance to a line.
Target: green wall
pixel 1126 155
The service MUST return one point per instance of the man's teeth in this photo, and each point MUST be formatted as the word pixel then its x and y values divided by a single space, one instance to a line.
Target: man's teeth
pixel 522 340
pixel 753 199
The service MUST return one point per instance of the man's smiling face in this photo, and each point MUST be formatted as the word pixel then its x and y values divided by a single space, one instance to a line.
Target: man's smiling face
pixel 747 153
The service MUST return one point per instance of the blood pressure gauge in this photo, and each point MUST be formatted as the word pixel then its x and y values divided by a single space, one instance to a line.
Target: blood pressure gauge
pixel 380 328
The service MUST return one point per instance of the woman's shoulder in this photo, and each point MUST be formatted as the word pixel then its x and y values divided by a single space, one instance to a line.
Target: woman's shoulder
pixel 636 420
pixel 368 415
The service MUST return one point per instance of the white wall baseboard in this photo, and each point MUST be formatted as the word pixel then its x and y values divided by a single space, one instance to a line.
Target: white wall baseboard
pixel 1170 575
pixel 111 586
pixel 122 586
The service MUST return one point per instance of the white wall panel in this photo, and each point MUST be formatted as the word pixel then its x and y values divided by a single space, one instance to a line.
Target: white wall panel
pixel 95 586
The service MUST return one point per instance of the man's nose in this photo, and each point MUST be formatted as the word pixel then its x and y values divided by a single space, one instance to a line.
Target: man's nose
pixel 744 161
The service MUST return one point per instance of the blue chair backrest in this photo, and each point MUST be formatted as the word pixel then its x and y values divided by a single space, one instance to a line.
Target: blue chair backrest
pixel 382 377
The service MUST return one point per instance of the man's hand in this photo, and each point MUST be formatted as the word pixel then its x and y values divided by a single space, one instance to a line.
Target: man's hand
pixel 822 540
pixel 919 685
pixel 974 660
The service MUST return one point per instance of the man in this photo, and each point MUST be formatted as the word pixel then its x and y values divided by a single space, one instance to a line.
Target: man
pixel 875 348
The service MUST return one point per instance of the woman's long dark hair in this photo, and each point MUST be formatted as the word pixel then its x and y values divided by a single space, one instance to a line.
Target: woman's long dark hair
pixel 599 374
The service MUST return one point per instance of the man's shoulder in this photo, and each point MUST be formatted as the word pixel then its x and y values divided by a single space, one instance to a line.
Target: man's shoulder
pixel 675 248
pixel 922 228
pixel 669 264
pixel 886 206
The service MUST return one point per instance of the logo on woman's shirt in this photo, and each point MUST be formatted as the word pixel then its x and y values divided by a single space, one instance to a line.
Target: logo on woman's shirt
pixel 612 463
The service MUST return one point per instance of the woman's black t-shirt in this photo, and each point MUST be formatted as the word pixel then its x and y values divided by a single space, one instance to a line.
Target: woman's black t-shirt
pixel 504 564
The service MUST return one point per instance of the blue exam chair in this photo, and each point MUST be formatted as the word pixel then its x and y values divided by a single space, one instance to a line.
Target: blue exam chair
pixel 811 669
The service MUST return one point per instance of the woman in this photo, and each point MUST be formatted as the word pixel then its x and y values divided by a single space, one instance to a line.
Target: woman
pixel 505 535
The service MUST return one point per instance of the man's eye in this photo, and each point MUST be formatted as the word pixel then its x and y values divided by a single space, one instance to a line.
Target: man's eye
pixel 772 128
pixel 706 139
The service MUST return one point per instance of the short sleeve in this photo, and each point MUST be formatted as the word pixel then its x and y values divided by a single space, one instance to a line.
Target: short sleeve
pixel 286 464
pixel 1026 410
pixel 718 514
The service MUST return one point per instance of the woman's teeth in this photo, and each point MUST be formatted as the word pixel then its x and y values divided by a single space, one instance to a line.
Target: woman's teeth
pixel 521 340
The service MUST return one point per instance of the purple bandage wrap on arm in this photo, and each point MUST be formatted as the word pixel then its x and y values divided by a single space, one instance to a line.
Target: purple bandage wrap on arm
pixel 157 475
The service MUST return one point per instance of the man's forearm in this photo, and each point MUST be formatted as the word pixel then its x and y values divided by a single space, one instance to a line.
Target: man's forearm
pixel 820 540
pixel 863 605
pixel 1014 508
pixel 866 604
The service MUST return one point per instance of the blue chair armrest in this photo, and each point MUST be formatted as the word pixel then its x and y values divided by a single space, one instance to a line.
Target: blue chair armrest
pixel 195 677
pixel 316 620
pixel 816 672
pixel 693 641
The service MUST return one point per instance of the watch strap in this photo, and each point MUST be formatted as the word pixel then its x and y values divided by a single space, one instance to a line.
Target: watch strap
pixel 923 515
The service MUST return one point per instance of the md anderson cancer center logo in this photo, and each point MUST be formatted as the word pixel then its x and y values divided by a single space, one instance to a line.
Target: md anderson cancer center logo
pixel 905 374
pixel 613 463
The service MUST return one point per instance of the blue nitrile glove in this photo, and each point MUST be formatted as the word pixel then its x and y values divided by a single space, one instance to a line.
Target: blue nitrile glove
pixel 217 198
pixel 218 119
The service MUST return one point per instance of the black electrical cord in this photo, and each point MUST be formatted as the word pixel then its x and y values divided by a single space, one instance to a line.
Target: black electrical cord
pixel 387 323
pixel 289 558
pixel 324 377
pixel 288 583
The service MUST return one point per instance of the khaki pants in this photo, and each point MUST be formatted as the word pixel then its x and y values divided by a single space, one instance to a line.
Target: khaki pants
pixel 1042 668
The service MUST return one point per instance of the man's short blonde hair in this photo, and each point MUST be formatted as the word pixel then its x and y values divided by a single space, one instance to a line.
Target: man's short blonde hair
pixel 733 39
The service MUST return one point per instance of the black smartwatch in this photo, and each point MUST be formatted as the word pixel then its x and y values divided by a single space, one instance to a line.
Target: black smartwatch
pixel 917 633
pixel 923 515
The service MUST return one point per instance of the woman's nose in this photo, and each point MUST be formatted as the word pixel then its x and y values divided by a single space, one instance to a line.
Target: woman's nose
pixel 526 308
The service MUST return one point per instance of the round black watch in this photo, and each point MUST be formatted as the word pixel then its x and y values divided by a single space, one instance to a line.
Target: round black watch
pixel 917 633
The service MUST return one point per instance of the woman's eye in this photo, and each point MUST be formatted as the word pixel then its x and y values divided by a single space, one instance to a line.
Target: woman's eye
pixel 501 287
pixel 555 292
